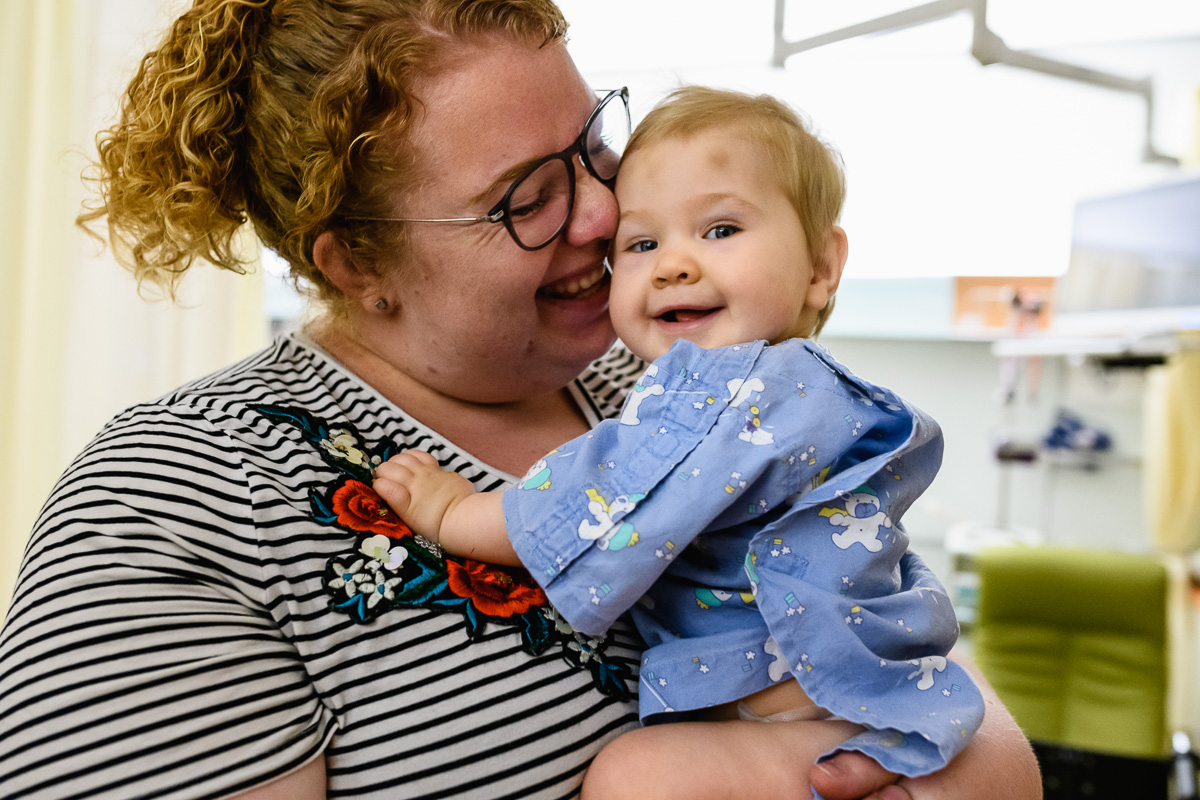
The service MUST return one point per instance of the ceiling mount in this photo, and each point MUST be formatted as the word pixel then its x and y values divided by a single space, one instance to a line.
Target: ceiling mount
pixel 986 47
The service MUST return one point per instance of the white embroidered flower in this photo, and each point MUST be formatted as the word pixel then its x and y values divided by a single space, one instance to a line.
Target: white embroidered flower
pixel 343 445
pixel 349 577
pixel 560 624
pixel 379 590
pixel 586 647
pixel 376 547
pixel 396 557
pixel 379 549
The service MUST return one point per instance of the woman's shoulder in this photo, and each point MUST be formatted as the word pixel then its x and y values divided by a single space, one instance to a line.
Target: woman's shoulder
pixel 285 373
pixel 197 441
pixel 289 368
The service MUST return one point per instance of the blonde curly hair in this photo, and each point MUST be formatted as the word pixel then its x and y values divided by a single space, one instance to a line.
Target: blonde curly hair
pixel 290 114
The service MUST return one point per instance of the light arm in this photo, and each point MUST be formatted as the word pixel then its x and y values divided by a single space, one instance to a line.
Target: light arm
pixel 306 783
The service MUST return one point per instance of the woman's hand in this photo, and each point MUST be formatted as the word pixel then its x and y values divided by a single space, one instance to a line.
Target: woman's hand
pixel 998 762
pixel 850 776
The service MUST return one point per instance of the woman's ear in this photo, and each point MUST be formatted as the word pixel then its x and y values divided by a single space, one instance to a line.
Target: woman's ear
pixel 827 268
pixel 332 258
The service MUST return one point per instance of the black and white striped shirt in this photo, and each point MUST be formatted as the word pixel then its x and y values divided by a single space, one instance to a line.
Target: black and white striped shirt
pixel 210 599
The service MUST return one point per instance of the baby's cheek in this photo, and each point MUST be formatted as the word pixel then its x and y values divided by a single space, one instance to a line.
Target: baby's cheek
pixel 625 303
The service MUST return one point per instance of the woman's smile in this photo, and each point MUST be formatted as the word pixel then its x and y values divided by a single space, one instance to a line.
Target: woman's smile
pixel 576 287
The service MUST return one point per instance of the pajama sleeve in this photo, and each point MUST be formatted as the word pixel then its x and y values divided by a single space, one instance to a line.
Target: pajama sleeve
pixel 596 519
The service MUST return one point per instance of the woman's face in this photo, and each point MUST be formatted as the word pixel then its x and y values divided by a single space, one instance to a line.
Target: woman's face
pixel 477 317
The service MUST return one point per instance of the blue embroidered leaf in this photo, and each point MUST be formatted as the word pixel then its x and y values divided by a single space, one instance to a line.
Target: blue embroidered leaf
pixel 538 631
pixel 313 429
pixel 418 593
pixel 322 511
pixel 356 607
pixel 474 623
pixel 428 582
pixel 609 679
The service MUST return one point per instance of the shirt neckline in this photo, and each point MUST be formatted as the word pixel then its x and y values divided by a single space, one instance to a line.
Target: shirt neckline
pixel 583 399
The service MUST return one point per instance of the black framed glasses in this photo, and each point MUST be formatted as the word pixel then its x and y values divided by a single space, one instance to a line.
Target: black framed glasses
pixel 537 205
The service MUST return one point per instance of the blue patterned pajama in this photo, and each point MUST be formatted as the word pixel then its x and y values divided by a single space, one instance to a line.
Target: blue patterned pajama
pixel 747 504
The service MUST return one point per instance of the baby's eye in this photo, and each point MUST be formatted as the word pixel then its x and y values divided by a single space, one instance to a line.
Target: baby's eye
pixel 721 231
pixel 643 246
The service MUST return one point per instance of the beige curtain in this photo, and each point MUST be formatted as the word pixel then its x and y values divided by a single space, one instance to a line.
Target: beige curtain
pixel 77 344
pixel 1172 444
pixel 1172 437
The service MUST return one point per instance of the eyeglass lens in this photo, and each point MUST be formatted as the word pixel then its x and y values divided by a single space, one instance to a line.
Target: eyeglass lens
pixel 540 203
pixel 606 138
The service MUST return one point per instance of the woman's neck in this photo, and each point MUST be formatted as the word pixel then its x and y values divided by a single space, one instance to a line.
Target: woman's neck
pixel 507 436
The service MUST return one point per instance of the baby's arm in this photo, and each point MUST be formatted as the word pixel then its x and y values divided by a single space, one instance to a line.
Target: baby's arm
pixel 445 508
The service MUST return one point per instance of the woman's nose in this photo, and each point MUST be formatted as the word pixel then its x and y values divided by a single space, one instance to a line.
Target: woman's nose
pixel 594 215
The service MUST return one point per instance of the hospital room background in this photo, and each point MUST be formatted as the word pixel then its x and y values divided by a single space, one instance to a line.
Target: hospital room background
pixel 1024 219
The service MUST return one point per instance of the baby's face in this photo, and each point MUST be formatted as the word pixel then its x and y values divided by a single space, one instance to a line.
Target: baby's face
pixel 708 249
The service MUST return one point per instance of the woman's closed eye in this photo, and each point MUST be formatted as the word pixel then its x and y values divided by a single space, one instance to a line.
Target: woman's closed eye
pixel 527 209
pixel 721 231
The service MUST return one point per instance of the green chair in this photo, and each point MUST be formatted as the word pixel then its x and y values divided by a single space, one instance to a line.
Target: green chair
pixel 1077 644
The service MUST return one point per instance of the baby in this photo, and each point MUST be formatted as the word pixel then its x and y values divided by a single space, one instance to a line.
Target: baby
pixel 748 499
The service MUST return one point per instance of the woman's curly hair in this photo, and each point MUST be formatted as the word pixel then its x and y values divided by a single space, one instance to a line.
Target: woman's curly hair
pixel 290 114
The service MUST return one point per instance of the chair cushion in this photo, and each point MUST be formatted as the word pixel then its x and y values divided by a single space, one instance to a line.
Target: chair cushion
pixel 1074 642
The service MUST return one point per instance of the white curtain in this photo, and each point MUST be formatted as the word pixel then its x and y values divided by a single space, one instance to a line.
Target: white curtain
pixel 77 343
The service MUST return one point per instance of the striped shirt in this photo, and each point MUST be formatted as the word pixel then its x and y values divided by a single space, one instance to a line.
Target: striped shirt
pixel 212 596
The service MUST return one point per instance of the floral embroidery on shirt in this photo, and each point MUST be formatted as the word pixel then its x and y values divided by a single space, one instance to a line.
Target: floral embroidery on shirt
pixel 495 591
pixel 389 566
pixel 356 506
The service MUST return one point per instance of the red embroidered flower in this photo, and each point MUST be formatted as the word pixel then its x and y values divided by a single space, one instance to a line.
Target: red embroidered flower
pixel 494 590
pixel 359 508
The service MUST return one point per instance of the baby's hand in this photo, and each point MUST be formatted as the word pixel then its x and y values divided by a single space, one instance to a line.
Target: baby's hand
pixel 419 491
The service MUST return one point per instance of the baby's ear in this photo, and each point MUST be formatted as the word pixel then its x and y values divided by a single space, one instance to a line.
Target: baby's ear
pixel 827 266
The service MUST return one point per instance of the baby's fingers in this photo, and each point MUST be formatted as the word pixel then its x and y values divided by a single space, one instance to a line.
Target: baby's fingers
pixel 393 492
pixel 407 466
pixel 413 459
pixel 421 457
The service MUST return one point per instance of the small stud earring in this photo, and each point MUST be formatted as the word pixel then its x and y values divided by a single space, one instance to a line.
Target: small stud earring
pixel 381 304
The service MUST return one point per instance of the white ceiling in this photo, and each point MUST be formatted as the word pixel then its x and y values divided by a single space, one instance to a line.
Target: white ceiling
pixel 651 33
pixel 953 167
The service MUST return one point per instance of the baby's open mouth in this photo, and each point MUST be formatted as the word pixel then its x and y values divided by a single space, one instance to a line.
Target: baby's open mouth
pixel 685 314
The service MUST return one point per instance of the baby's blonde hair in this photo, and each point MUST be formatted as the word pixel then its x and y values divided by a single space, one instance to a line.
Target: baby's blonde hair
pixel 292 114
pixel 810 170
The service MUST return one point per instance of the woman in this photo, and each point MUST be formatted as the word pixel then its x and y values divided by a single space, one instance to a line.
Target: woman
pixel 214 604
